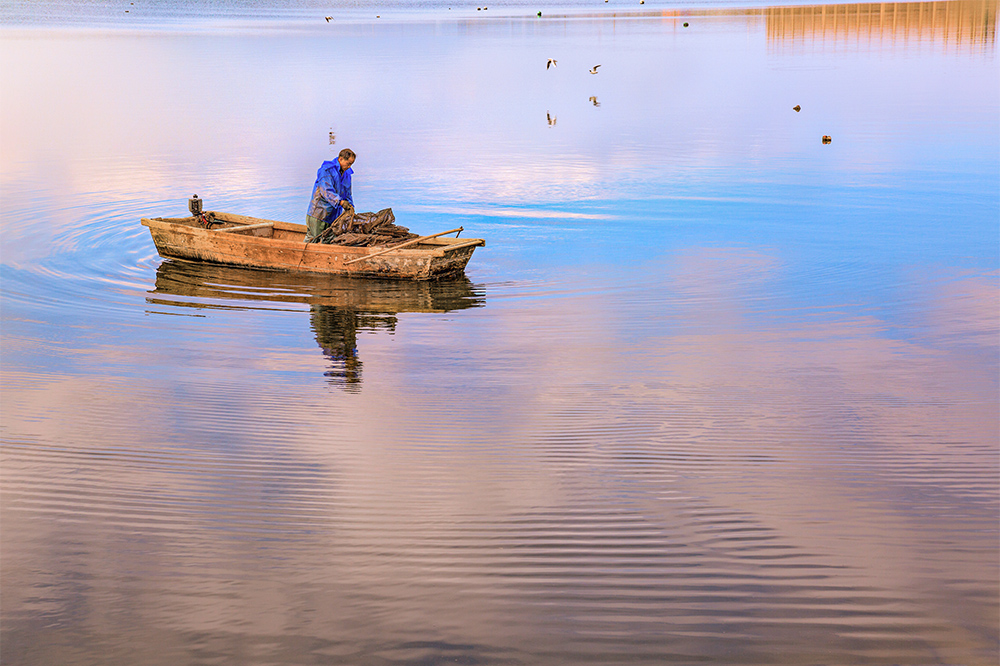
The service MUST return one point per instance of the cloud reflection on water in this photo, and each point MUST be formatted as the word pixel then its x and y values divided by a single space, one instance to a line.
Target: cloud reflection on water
pixel 732 392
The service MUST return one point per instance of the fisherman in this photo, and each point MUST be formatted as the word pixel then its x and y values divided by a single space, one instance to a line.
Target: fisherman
pixel 330 193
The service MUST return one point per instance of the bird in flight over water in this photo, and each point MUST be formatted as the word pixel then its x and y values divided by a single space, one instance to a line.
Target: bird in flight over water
pixel 550 118
pixel 594 101
pixel 552 61
pixel 594 69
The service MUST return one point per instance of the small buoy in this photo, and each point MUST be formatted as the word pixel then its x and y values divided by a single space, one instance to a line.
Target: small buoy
pixel 796 108
pixel 827 139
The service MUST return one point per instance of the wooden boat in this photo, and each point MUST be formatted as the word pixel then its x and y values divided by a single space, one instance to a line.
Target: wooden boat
pixel 238 240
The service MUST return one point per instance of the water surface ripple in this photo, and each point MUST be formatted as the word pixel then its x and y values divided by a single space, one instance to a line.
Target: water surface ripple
pixel 714 392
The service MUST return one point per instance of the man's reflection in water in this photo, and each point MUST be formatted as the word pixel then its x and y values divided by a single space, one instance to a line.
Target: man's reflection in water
pixel 336 332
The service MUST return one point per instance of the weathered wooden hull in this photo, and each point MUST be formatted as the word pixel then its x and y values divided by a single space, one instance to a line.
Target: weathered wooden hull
pixel 275 245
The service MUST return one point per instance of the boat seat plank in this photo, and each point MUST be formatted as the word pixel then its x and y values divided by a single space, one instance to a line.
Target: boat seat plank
pixel 247 227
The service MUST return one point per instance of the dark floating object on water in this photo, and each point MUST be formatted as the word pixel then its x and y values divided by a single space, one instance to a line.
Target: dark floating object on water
pixel 685 24
pixel 539 13
pixel 796 108
pixel 827 138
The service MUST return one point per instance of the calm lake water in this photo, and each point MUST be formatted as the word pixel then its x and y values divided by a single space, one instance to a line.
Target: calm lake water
pixel 715 392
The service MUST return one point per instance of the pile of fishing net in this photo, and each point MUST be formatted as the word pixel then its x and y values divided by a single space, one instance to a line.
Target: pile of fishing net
pixel 364 229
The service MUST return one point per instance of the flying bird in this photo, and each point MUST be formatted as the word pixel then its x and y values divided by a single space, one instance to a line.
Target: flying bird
pixel 551 119
pixel 594 101
pixel 552 61
pixel 796 108
pixel 594 69
pixel 328 18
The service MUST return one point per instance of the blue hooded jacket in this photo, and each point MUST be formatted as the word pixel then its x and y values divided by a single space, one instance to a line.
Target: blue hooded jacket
pixel 332 185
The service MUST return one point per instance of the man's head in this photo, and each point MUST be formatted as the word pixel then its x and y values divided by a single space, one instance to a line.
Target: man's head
pixel 346 159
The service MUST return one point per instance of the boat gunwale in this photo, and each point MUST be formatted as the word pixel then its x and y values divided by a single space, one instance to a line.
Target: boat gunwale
pixel 178 224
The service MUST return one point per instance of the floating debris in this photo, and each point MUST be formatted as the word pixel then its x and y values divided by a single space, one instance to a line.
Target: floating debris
pixel 827 138
pixel 796 108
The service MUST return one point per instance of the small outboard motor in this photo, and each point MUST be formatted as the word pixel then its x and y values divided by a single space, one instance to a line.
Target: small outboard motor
pixel 194 205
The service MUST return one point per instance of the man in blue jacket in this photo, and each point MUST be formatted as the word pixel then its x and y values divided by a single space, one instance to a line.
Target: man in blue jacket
pixel 331 191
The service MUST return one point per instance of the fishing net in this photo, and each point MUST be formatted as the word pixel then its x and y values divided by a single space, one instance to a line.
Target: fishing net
pixel 364 229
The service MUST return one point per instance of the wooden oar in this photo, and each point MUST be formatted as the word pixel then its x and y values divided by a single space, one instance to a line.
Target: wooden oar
pixel 402 245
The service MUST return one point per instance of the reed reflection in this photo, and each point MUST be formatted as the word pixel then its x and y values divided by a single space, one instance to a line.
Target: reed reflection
pixel 338 307
pixel 958 24
pixel 964 25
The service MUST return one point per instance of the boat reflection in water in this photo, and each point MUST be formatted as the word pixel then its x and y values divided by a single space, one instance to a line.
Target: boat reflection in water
pixel 339 307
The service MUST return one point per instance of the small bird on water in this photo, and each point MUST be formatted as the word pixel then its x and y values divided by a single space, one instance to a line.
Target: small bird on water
pixel 550 63
pixel 594 69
